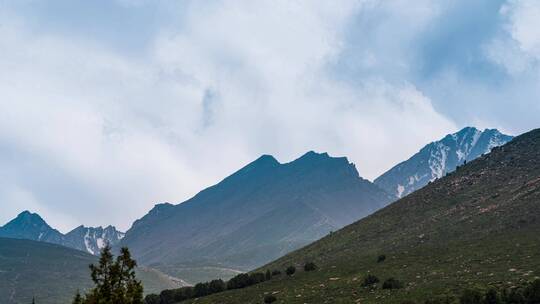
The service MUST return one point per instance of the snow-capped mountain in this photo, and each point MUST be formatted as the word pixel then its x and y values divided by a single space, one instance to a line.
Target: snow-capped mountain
pixel 438 158
pixel 92 239
pixel 31 226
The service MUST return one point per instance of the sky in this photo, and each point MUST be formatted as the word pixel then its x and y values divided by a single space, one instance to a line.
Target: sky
pixel 109 107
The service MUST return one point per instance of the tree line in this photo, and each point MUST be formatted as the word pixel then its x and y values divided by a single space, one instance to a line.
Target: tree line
pixel 239 281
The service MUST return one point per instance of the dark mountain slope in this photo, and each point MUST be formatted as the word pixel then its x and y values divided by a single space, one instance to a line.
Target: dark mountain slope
pixel 31 226
pixel 438 158
pixel 259 213
pixel 52 273
pixel 476 227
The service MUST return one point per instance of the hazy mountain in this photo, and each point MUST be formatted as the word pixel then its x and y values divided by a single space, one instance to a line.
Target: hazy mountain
pixel 92 239
pixel 438 158
pixel 475 228
pixel 52 273
pixel 31 226
pixel 257 214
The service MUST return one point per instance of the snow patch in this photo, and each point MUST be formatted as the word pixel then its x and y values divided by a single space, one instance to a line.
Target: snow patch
pixel 400 190
pixel 101 243
pixel 87 243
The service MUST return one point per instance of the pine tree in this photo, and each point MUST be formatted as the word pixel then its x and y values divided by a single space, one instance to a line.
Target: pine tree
pixel 78 298
pixel 115 281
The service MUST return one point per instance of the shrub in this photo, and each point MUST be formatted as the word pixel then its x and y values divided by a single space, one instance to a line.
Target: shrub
pixel 238 281
pixel 216 286
pixel 381 258
pixel 276 272
pixel 152 299
pixel 392 283
pixel 256 278
pixel 202 289
pixel 532 292
pixel 492 297
pixel 269 299
pixel 290 270
pixel 470 296
pixel 370 280
pixel 310 266
pixel 441 300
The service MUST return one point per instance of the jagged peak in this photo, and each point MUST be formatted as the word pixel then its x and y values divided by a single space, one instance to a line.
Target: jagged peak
pixel 312 156
pixel 264 160
pixel 29 216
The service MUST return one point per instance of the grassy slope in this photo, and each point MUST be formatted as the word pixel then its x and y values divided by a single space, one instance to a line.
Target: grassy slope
pixel 478 227
pixel 53 273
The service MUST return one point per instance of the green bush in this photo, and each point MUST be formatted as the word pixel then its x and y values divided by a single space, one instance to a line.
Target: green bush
pixel 381 258
pixel 392 283
pixel 310 266
pixel 276 272
pixel 440 300
pixel 290 270
pixel 471 296
pixel 370 280
pixel 532 292
pixel 492 297
pixel 269 299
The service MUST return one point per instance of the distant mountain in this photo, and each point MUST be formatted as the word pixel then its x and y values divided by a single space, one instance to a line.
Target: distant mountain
pixel 438 158
pixel 92 239
pixel 52 273
pixel 477 227
pixel 257 214
pixel 31 226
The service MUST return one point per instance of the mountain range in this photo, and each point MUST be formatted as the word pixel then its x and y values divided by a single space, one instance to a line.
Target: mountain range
pixel 438 158
pixel 264 210
pixel 31 226
pixel 261 212
pixel 474 228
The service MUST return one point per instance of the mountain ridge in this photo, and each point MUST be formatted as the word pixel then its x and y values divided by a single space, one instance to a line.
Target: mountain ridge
pixel 438 158
pixel 259 212
pixel 32 226
pixel 474 228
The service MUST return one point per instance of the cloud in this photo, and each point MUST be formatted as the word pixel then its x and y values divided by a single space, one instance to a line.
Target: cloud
pixel 96 127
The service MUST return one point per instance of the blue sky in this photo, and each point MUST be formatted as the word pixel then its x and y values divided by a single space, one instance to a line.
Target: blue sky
pixel 108 107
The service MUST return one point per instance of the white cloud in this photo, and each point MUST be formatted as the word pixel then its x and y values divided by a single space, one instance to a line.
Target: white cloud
pixel 524 26
pixel 96 137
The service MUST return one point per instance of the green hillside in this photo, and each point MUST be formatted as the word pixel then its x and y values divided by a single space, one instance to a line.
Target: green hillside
pixel 52 273
pixel 477 227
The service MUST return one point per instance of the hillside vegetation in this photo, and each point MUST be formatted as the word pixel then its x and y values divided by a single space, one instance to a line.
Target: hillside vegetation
pixel 476 228
pixel 53 273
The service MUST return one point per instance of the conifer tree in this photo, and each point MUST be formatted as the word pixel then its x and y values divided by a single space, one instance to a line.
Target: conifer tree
pixel 115 281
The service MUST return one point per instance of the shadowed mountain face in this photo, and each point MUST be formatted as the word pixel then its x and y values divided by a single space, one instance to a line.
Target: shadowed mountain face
pixel 476 227
pixel 259 213
pixel 31 226
pixel 438 158
pixel 52 273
